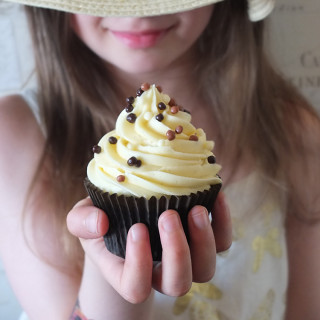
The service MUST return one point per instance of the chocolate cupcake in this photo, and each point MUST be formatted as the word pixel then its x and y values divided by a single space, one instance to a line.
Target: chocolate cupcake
pixel 154 160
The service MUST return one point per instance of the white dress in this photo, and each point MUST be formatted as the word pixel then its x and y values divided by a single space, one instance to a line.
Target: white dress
pixel 251 278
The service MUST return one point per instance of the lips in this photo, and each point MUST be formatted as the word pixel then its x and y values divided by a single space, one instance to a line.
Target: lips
pixel 140 40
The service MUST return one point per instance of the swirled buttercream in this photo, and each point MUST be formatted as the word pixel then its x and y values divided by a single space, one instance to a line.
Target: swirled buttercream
pixel 154 151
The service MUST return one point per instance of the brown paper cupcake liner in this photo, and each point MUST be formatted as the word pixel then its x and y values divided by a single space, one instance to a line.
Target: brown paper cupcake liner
pixel 125 211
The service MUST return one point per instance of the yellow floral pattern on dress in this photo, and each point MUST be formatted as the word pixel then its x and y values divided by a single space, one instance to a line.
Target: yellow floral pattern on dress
pixel 264 311
pixel 204 310
pixel 268 210
pixel 268 244
pixel 197 304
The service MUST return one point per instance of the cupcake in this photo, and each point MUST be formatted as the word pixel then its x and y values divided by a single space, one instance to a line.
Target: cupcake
pixel 154 160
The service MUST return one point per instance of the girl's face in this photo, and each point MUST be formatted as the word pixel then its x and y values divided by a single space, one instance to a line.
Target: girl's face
pixel 141 45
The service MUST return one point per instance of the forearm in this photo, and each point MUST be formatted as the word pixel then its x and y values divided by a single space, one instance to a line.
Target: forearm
pixel 42 291
pixel 99 301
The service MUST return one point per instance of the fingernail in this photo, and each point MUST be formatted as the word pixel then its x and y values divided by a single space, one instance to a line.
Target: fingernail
pixel 171 223
pixel 138 233
pixel 200 217
pixel 91 222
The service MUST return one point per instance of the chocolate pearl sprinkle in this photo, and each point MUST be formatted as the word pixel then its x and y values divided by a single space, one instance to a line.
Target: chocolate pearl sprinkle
pixel 145 86
pixel 96 149
pixel 172 102
pixel 130 100
pixel 159 88
pixel 112 140
pixel 132 161
pixel 179 129
pixel 174 109
pixel 129 108
pixel 212 159
pixel 193 138
pixel 139 92
pixel 131 117
pixel 159 117
pixel 170 135
pixel 162 106
pixel 138 164
pixel 121 178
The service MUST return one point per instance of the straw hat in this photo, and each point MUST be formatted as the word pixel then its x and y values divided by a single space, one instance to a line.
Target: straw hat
pixel 258 9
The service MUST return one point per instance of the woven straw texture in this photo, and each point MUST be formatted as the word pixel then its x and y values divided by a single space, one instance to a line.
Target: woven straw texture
pixel 258 9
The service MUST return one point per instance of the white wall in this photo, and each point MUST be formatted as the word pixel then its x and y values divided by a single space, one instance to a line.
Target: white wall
pixel 294 41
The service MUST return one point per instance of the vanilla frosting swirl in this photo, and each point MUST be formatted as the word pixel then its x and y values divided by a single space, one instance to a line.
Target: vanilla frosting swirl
pixel 168 167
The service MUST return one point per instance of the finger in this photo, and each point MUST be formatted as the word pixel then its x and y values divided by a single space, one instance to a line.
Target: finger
pixel 173 276
pixel 136 281
pixel 87 221
pixel 202 244
pixel 221 224
pixel 130 277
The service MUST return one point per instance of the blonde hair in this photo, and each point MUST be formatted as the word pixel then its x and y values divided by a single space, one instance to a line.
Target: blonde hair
pixel 247 95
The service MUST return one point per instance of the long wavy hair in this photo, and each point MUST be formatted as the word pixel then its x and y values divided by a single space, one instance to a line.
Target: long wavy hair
pixel 256 109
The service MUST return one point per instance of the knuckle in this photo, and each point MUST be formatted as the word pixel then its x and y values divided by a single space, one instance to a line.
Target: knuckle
pixel 222 247
pixel 180 289
pixel 181 253
pixel 176 253
pixel 135 296
pixel 205 276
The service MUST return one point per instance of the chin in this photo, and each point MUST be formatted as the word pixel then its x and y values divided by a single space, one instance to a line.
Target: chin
pixel 134 69
pixel 141 66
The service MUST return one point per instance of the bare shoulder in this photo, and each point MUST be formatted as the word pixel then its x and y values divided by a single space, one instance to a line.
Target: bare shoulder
pixel 303 123
pixel 303 221
pixel 16 116
pixel 21 143
pixel 18 126
pixel 303 167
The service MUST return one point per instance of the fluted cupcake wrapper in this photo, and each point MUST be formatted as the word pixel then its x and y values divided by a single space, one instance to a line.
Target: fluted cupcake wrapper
pixel 125 211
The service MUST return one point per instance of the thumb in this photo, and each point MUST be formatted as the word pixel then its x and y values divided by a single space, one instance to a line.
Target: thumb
pixel 87 221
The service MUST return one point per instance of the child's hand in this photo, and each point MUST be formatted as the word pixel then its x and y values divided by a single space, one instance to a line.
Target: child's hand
pixel 134 276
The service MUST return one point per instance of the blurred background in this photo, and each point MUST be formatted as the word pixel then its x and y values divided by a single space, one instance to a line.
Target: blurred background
pixel 293 43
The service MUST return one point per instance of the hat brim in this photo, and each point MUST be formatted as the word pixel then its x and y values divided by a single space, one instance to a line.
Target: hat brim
pixel 120 8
